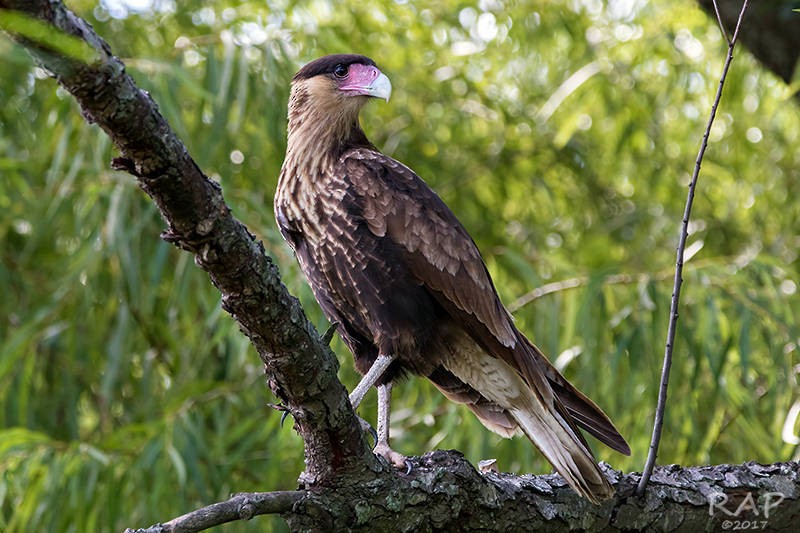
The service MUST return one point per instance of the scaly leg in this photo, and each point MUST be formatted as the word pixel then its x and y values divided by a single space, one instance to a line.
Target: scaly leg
pixel 382 447
pixel 384 406
pixel 373 375
pixel 370 378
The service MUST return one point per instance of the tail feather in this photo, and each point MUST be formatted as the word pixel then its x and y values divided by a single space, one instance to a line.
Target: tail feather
pixel 560 443
pixel 583 410
pixel 585 413
pixel 532 404
pixel 489 413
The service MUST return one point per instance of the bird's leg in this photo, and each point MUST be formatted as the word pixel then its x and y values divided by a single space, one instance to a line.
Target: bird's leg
pixel 384 406
pixel 374 373
pixel 382 447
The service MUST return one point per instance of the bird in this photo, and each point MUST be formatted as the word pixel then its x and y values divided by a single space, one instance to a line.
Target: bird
pixel 393 267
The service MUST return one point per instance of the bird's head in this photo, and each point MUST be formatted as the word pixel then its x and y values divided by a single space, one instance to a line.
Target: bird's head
pixel 331 90
pixel 338 78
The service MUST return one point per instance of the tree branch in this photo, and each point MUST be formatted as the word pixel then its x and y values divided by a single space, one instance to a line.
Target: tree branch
pixel 445 492
pixel 301 370
pixel 242 506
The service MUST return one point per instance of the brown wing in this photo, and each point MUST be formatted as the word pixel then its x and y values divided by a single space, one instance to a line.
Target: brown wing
pixel 438 250
pixel 359 279
pixel 444 258
pixel 440 253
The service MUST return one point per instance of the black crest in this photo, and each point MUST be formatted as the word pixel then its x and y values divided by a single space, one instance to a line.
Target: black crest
pixel 326 64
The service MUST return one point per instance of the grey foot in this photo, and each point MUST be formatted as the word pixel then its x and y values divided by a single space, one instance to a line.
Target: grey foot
pixel 394 458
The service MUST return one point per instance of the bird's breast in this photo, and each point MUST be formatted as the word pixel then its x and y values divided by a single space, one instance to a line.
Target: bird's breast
pixel 306 199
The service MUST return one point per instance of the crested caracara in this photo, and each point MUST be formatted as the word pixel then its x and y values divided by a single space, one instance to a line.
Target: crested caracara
pixel 389 262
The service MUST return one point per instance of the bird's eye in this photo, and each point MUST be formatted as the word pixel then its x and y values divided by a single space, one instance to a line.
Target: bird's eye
pixel 340 71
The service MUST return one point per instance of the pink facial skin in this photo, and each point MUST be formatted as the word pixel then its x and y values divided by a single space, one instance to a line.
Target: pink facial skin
pixel 366 80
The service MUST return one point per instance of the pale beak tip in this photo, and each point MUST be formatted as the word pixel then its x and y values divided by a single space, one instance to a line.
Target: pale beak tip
pixel 381 87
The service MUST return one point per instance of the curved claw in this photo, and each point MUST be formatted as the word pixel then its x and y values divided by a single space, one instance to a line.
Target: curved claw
pixel 396 459
pixel 327 337
pixel 366 427
pixel 282 408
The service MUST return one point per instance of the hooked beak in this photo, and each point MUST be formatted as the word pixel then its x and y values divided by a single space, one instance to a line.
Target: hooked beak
pixel 366 80
pixel 380 88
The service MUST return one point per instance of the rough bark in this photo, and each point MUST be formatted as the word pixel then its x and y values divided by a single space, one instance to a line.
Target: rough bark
pixel 769 31
pixel 444 492
pixel 344 485
pixel 301 370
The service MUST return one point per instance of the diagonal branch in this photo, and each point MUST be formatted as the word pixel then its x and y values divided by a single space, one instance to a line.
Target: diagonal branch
pixel 300 369
pixel 676 291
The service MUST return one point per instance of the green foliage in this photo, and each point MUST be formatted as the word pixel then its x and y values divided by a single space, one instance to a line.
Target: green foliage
pixel 45 36
pixel 562 134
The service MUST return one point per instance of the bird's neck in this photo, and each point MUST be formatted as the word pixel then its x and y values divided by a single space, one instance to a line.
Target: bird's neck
pixel 319 134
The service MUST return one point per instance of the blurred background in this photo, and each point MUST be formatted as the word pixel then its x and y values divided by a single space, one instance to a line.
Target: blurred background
pixel 562 134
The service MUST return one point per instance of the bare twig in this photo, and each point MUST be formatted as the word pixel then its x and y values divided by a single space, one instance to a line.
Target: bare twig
pixel 581 281
pixel 673 311
pixel 721 25
pixel 242 506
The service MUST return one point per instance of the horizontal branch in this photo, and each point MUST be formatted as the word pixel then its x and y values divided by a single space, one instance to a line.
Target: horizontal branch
pixel 445 492
pixel 611 279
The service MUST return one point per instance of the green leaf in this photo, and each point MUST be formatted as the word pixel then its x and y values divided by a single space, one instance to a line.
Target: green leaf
pixel 46 36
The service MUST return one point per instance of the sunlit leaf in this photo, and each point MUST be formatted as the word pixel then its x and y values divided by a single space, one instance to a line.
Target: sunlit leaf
pixel 46 36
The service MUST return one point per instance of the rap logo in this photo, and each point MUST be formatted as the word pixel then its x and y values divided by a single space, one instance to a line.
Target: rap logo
pixel 718 501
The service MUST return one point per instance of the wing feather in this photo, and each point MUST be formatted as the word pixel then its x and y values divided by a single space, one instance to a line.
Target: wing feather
pixel 437 248
pixel 444 258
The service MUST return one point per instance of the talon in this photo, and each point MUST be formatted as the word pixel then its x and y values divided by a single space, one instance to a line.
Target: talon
pixel 409 466
pixel 327 337
pixel 280 407
pixel 366 427
pixel 394 458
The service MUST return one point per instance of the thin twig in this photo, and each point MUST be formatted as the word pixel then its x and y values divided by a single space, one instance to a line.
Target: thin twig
pixel 673 311
pixel 242 506
pixel 612 279
pixel 721 25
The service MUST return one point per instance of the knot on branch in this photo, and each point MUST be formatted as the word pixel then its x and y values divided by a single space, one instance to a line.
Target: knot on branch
pixel 247 510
